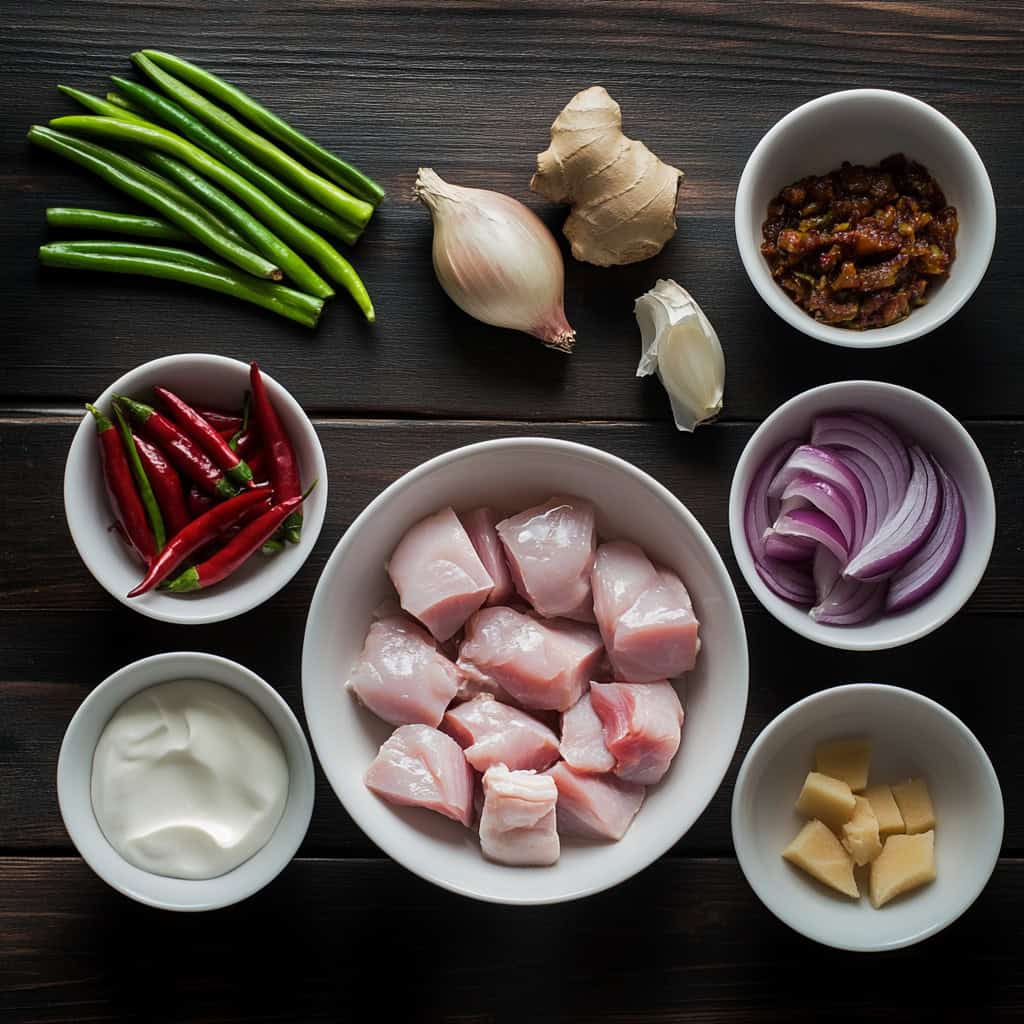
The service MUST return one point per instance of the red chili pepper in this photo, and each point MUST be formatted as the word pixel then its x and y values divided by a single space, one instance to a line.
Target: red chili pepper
pixel 244 443
pixel 183 452
pixel 226 423
pixel 198 503
pixel 258 465
pixel 237 550
pixel 204 529
pixel 281 462
pixel 166 484
pixel 121 489
pixel 194 426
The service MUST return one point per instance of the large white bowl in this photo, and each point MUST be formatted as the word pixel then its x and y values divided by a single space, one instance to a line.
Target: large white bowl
pixel 865 126
pixel 512 474
pixel 913 736
pixel 202 380
pixel 919 419
pixel 74 779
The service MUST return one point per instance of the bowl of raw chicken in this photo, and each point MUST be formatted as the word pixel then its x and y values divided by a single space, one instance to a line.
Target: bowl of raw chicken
pixel 525 670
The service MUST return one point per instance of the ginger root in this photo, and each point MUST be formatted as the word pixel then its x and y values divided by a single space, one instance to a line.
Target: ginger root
pixel 623 197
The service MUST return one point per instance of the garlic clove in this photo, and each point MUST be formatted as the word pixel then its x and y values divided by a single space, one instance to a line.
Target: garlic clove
pixel 678 343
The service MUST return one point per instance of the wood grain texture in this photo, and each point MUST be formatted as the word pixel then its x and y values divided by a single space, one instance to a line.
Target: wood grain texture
pixel 685 941
pixel 388 87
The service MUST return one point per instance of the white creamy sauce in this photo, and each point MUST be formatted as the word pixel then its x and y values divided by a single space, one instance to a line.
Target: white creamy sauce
pixel 189 779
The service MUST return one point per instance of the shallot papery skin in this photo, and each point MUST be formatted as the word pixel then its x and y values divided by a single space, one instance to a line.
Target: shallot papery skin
pixel 496 260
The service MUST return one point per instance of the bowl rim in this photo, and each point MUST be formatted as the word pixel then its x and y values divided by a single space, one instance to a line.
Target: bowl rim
pixel 836 636
pixel 742 847
pixel 117 688
pixel 775 298
pixel 248 598
pixel 407 480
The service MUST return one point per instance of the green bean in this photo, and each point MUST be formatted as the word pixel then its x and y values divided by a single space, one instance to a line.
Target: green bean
pixel 98 106
pixel 283 164
pixel 169 188
pixel 137 181
pixel 295 233
pixel 228 283
pixel 326 162
pixel 262 239
pixel 180 120
pixel 300 300
pixel 124 103
pixel 119 223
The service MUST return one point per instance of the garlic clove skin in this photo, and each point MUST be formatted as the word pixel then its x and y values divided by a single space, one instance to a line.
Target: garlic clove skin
pixel 678 343
pixel 496 259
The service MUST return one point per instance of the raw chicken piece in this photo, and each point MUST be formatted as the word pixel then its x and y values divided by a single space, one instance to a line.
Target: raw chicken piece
pixel 493 733
pixel 438 575
pixel 642 723
pixel 479 524
pixel 421 767
pixel 594 806
pixel 644 613
pixel 538 663
pixel 582 744
pixel 550 551
pixel 517 825
pixel 401 676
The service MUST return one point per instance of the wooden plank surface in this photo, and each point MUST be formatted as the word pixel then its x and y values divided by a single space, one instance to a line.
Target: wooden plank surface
pixel 470 87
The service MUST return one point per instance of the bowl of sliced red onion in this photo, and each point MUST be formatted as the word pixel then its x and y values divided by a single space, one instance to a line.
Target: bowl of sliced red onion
pixel 862 515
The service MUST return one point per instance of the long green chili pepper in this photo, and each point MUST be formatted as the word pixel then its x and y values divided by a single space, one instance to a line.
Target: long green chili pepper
pixel 334 167
pixel 325 192
pixel 124 103
pixel 153 514
pixel 262 238
pixel 293 231
pixel 136 181
pixel 166 111
pixel 107 220
pixel 304 303
pixel 100 106
pixel 227 283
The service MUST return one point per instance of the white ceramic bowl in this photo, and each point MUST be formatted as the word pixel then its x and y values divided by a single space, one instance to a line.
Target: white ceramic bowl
pixel 918 419
pixel 202 380
pixel 74 776
pixel 511 474
pixel 913 737
pixel 865 126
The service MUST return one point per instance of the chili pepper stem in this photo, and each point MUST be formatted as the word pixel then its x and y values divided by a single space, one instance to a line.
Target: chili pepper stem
pixel 183 583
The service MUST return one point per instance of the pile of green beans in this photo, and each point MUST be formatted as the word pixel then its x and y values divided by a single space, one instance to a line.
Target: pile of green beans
pixel 262 207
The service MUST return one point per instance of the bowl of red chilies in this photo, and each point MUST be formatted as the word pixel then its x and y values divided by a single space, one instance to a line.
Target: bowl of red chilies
pixel 195 488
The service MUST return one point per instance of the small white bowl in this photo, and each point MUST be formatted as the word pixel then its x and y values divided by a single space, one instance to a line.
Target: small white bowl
pixel 913 737
pixel 863 126
pixel 918 419
pixel 202 380
pixel 511 474
pixel 74 778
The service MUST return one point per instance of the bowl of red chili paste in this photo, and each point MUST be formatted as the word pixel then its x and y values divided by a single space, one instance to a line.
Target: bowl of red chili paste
pixel 865 218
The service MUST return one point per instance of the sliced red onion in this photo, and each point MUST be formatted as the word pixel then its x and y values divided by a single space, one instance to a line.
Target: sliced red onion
pixel 906 529
pixel 757 516
pixel 826 571
pixel 845 430
pixel 787 549
pixel 923 573
pixel 806 490
pixel 813 525
pixel 790 582
pixel 869 476
pixel 850 602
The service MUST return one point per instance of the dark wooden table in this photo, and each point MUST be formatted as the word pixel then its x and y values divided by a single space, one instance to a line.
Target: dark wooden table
pixel 471 88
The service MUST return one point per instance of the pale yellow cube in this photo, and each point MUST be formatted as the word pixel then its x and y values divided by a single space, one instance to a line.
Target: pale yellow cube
pixel 915 805
pixel 905 863
pixel 817 851
pixel 890 821
pixel 860 834
pixel 830 800
pixel 847 759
